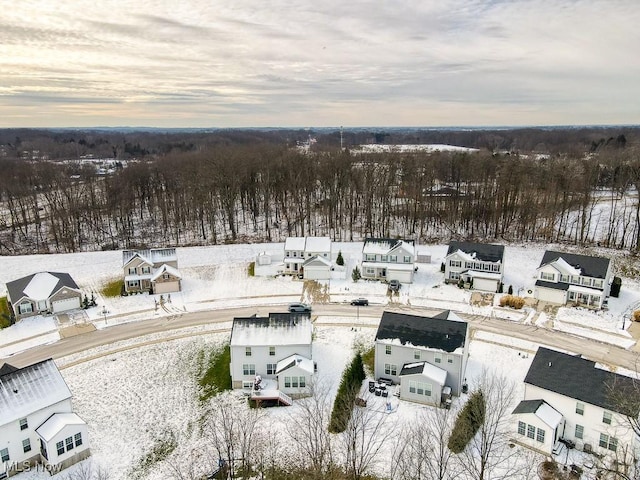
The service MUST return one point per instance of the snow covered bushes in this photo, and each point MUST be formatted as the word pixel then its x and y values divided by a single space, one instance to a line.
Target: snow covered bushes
pixel 512 301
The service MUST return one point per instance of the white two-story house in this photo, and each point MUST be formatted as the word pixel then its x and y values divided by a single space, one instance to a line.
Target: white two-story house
pixel 568 278
pixel 422 354
pixel 153 270
pixel 37 422
pixel 308 257
pixel 387 259
pixel 276 352
pixel 478 265
pixel 569 397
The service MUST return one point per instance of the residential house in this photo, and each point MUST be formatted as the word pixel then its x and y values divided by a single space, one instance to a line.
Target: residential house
pixel 43 293
pixel 569 397
pixel 154 270
pixel 568 278
pixel 37 422
pixel 308 257
pixel 387 259
pixel 478 265
pixel 422 354
pixel 274 352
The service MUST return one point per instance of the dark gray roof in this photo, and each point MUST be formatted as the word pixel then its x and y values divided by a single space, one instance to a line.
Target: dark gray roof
pixel 411 368
pixel 555 286
pixel 7 369
pixel 578 378
pixel 430 332
pixel 595 267
pixel 528 406
pixel 273 320
pixel 391 241
pixel 16 287
pixel 485 252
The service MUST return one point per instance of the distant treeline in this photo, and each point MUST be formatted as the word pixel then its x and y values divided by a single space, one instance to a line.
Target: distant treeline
pixel 260 191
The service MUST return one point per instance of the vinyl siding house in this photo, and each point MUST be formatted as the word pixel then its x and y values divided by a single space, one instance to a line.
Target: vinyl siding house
pixel 569 397
pixel 153 270
pixel 43 293
pixel 309 257
pixel 276 352
pixel 567 278
pixel 422 354
pixel 387 259
pixel 478 265
pixel 37 422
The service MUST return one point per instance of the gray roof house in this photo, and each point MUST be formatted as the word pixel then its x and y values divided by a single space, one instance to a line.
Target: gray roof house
pixel 478 265
pixel 586 404
pixel 569 278
pixel 422 354
pixel 42 293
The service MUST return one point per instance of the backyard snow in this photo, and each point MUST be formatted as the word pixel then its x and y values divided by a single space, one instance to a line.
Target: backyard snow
pixel 131 394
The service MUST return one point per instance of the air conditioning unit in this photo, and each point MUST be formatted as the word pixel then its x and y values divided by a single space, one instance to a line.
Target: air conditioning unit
pixel 587 448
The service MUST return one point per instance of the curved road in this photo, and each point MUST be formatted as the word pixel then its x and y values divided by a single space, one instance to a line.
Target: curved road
pixel 599 351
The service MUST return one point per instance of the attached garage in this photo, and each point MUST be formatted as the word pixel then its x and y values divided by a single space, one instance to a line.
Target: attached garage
pixel 317 268
pixel 166 280
pixel 484 281
pixel 551 295
pixel 65 304
pixel 403 275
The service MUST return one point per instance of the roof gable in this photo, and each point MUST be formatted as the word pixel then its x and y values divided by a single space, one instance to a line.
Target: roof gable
pixel 578 378
pixel 444 331
pixel 39 286
pixel 485 252
pixel 595 267
pixel 382 246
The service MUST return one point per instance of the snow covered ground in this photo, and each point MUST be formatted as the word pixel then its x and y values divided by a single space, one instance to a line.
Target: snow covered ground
pixel 134 396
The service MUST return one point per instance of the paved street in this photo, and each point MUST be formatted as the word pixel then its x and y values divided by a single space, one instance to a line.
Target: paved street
pixel 593 349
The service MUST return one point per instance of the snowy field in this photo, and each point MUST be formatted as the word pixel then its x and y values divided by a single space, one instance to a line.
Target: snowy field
pixel 131 397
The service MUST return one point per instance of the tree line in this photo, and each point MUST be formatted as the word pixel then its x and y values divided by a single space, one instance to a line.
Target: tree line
pixel 265 192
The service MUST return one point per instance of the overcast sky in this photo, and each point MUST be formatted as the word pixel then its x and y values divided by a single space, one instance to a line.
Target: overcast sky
pixel 235 63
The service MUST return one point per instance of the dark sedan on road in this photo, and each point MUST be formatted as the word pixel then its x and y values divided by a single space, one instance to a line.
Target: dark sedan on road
pixel 361 302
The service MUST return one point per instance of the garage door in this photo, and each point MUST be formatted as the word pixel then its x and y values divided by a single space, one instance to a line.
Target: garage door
pixel 166 287
pixel 485 284
pixel 403 276
pixel 66 304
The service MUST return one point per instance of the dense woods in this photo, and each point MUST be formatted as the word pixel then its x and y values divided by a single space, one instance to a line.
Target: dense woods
pixel 187 189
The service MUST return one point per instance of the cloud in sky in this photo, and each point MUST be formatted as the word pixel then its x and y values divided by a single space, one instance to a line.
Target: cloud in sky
pixel 209 63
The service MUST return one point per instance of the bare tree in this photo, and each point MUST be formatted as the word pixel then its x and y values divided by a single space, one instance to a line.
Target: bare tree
pixel 231 427
pixel 87 471
pixel 421 450
pixel 308 428
pixel 366 434
pixel 488 455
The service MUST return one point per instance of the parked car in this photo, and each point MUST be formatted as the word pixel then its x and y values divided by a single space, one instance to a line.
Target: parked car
pixel 394 285
pixel 361 302
pixel 299 308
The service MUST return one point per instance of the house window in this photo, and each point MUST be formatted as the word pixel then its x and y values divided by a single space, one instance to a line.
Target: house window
pixel 606 418
pixel 303 382
pixel 133 283
pixel 247 351
pixel 437 357
pixel 370 258
pixel 165 276
pixel 420 388
pixel 370 271
pixel 294 382
pixel 272 351
pixel 383 258
pixel 407 259
pixel 248 369
pixel 146 269
pixel 23 424
pixel 271 368
pixel 416 354
pixel 69 442
pixel 60 447
pixel 412 387
pixel 454 275
pixel 549 277
pixel 449 358
pixel 247 385
pixel 597 283
pixel 390 369
pixel 26 445
pixel 580 408
pixel 579 431
pixel 25 308
pixel 387 349
pixel 455 263
pixel 4 455
pixel 132 270
pixel 531 431
pixel 610 443
pixel 78 439
pixel 522 428
pixel 564 278
pixel 540 435
pixel 287 253
pixel 393 259
pixel 586 281
pixel 287 382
